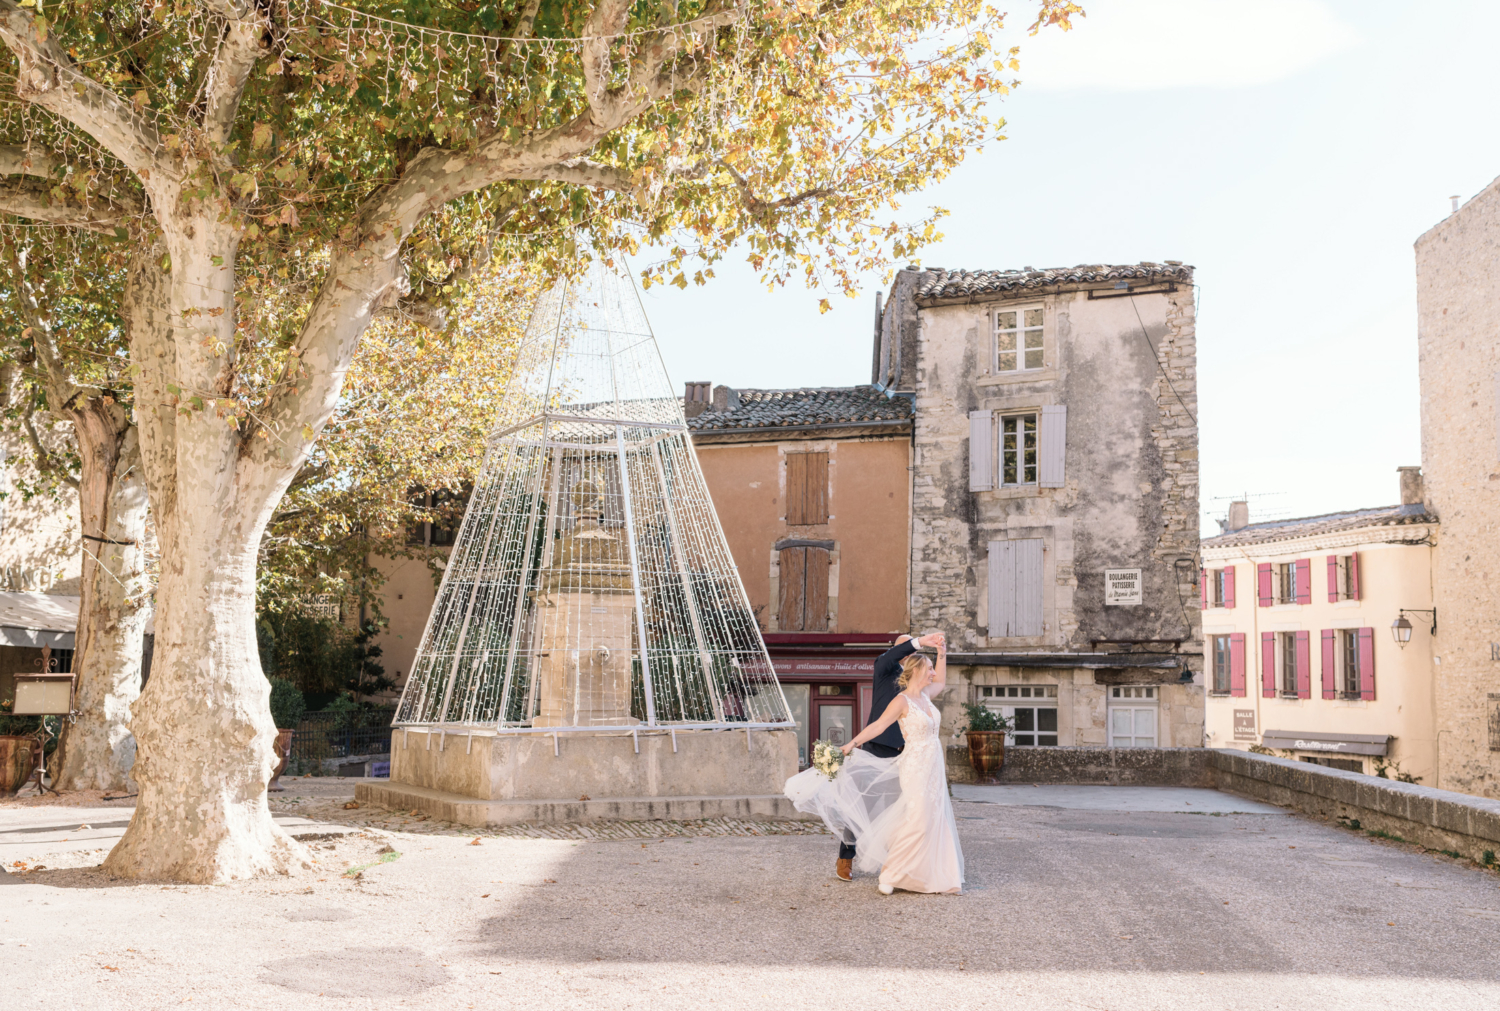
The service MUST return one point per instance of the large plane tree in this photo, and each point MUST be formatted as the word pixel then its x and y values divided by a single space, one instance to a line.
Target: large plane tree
pixel 371 155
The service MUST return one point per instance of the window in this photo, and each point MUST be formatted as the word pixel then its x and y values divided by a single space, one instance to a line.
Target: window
pixel 1284 582
pixel 1222 664
pixel 1349 655
pixel 1015 588
pixel 1032 710
pixel 806 489
pixel 1132 716
pixel 803 588
pixel 1018 449
pixel 447 513
pixel 1218 587
pixel 1286 647
pixel 1343 578
pixel 1018 340
pixel 1348 663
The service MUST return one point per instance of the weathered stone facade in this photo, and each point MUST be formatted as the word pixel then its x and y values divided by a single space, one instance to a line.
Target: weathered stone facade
pixel 1118 357
pixel 1458 343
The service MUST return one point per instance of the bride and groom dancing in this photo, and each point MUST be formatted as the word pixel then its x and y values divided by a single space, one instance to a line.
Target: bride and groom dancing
pixel 888 802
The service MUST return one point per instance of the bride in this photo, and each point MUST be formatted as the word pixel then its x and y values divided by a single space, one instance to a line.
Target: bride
pixel 897 808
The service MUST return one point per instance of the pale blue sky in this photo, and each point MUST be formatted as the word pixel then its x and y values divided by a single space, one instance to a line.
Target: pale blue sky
pixel 1292 150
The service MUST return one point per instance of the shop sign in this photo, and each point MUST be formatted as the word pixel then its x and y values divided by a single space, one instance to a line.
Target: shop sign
pixel 1244 724
pixel 1122 587
pixel 848 666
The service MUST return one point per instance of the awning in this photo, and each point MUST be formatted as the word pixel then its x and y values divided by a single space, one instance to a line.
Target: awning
pixel 1341 744
pixel 38 619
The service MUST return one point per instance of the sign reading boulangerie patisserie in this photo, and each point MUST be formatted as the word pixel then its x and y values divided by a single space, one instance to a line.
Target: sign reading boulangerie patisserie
pixel 1122 586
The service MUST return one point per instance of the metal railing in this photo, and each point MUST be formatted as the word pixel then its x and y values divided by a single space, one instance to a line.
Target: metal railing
pixel 339 734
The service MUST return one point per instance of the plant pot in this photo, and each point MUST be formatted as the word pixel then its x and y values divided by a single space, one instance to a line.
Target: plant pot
pixel 18 758
pixel 284 752
pixel 986 751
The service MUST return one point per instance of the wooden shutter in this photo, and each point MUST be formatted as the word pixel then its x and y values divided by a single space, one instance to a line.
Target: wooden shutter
pixel 792 607
pixel 981 451
pixel 1304 665
pixel 806 489
pixel 1333 579
pixel 1367 663
pixel 1052 446
pixel 1015 585
pixel 1237 664
pixel 1264 584
pixel 1203 581
pixel 1354 576
pixel 815 595
pixel 1304 580
pixel 1229 586
pixel 1268 665
pixel 1330 663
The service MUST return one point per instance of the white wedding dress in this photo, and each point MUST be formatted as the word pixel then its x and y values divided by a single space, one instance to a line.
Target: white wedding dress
pixel 895 809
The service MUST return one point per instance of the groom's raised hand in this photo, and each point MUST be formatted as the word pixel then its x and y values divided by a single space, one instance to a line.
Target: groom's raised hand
pixel 936 640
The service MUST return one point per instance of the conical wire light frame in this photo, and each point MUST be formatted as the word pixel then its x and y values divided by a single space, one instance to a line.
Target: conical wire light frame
pixel 591 587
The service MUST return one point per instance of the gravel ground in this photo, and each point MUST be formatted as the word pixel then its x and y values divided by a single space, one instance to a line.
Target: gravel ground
pixel 1065 908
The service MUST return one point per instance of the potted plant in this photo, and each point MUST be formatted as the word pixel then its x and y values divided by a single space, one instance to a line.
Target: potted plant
pixel 986 737
pixel 20 748
pixel 287 707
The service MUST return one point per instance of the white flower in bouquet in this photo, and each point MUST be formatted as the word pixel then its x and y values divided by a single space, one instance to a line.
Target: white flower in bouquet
pixel 827 758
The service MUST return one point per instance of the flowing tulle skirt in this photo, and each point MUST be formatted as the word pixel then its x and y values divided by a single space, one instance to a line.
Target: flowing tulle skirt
pixel 897 813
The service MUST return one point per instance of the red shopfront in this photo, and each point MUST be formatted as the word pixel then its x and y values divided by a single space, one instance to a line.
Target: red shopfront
pixel 828 680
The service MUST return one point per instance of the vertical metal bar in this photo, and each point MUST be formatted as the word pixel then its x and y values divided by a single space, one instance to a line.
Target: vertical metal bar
pixel 687 589
pixel 521 600
pixel 635 575
pixel 548 543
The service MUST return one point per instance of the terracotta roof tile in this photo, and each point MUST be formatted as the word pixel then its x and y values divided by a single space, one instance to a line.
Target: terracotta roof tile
pixel 941 284
pixel 1311 526
pixel 805 407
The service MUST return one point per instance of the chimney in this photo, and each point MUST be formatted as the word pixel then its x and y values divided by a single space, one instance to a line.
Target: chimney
pixel 1239 517
pixel 725 398
pixel 695 399
pixel 1412 491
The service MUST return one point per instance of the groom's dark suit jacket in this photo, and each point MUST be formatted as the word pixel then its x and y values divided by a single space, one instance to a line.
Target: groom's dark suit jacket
pixel 887 670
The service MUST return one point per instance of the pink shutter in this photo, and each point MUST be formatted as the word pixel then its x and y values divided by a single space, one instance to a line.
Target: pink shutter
pixel 1330 655
pixel 1333 579
pixel 1203 581
pixel 1237 664
pixel 1304 666
pixel 1354 576
pixel 1229 586
pixel 1304 580
pixel 1268 664
pixel 1367 663
pixel 1263 584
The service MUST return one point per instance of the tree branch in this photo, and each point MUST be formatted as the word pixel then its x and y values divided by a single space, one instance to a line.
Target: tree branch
pixel 23 161
pixel 26 198
pixel 48 77
pixel 245 40
pixel 44 461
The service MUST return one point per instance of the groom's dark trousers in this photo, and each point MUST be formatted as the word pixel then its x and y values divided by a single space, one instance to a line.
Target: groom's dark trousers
pixel 890 742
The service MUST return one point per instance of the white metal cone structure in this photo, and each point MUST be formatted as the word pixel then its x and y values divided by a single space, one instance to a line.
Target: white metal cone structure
pixel 591 587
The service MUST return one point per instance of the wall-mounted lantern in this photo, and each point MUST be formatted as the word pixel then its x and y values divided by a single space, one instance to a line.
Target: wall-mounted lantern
pixel 1401 628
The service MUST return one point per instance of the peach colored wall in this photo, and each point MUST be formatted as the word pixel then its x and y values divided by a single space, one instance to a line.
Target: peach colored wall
pixel 408 596
pixel 869 518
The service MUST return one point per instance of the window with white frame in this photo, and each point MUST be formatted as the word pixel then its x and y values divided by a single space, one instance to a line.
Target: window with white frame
pixel 1286 583
pixel 1018 339
pixel 1018 449
pixel 1032 710
pixel 1348 646
pixel 1286 666
pixel 1223 663
pixel 1132 716
pixel 1343 577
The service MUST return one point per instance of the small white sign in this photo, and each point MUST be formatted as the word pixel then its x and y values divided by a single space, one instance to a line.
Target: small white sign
pixel 1122 586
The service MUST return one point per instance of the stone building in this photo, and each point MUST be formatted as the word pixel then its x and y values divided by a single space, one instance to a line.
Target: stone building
pixel 1055 493
pixel 812 488
pixel 1300 656
pixel 1458 346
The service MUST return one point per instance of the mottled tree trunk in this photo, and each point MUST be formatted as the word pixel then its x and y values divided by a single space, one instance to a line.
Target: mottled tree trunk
pixel 97 751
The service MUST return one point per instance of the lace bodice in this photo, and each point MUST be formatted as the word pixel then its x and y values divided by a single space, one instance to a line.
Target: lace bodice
pixel 920 724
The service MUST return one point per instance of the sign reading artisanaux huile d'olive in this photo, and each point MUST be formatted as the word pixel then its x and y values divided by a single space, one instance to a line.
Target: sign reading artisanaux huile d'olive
pixel 1122 586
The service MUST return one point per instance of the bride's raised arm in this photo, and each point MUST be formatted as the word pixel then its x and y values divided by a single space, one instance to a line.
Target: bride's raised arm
pixel 939 669
pixel 893 712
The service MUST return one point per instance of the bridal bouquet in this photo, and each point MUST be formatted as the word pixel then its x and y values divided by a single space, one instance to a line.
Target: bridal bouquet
pixel 827 758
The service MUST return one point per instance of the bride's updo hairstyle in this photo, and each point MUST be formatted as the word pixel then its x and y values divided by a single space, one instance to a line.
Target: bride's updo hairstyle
pixel 909 668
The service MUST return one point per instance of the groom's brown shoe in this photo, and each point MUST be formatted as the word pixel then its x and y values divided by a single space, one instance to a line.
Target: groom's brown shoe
pixel 844 871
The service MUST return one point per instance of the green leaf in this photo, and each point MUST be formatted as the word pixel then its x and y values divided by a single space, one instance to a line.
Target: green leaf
pixel 307 432
pixel 166 263
pixel 218 261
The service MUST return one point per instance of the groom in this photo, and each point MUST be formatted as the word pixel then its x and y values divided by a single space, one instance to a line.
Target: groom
pixel 890 742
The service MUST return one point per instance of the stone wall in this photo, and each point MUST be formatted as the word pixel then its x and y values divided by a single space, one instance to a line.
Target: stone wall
pixel 1458 344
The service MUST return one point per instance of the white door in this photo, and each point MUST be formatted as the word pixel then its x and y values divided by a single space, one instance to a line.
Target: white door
pixel 1132 726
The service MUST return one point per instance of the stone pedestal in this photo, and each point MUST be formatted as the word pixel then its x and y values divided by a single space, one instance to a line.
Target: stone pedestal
pixel 512 779
pixel 583 665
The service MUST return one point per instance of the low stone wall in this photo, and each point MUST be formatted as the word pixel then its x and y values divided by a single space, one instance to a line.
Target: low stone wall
pixel 1437 819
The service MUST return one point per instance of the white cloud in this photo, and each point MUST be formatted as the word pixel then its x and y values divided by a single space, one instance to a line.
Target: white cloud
pixel 1138 45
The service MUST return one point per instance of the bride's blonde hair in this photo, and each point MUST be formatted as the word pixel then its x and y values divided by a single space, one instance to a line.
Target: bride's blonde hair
pixel 909 668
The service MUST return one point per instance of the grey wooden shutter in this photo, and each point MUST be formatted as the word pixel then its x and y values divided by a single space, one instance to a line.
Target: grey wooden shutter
pixel 981 451
pixel 1052 445
pixel 1015 575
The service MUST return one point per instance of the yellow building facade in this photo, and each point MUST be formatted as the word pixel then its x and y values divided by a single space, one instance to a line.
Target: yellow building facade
pixel 1300 652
